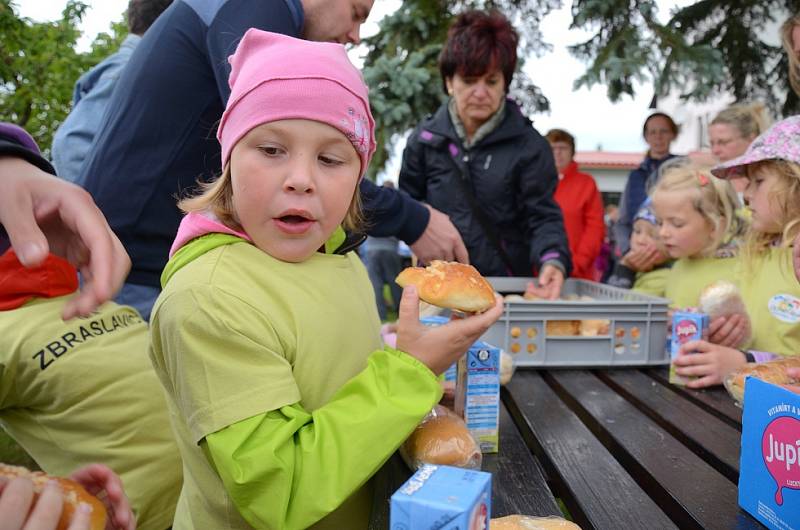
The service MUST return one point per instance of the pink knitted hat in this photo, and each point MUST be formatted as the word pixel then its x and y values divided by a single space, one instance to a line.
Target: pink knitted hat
pixel 275 77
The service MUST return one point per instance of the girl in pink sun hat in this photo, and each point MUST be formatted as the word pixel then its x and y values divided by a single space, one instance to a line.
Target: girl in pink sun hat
pixel 769 289
pixel 266 335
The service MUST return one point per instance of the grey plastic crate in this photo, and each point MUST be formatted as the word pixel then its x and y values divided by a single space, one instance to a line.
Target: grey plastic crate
pixel 637 331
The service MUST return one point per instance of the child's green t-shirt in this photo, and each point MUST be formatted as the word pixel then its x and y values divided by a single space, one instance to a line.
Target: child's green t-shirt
pixel 83 391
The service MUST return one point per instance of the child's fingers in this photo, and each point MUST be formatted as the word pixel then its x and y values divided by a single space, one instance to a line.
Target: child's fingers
pixel 717 324
pixel 480 322
pixel 703 382
pixel 693 347
pixel 408 311
pixel 15 502
pixel 694 359
pixel 47 511
pixel 81 518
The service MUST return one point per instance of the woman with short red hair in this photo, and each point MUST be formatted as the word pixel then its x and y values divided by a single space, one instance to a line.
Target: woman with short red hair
pixel 480 161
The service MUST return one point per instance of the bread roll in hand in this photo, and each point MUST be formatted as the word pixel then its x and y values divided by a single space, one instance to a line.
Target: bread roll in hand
pixel 442 438
pixel 73 494
pixel 451 285
pixel 722 299
pixel 526 522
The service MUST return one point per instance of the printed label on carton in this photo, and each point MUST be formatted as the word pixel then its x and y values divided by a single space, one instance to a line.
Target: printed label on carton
pixel 478 394
pixel 442 498
pixel 433 321
pixel 686 327
pixel 769 479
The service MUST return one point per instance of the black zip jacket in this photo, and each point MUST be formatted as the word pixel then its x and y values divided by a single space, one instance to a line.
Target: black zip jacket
pixel 513 177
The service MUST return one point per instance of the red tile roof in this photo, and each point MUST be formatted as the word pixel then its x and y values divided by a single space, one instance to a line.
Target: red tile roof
pixel 608 159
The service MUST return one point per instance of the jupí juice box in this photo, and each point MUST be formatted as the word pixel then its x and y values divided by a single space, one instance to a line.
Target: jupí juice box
pixel 686 326
pixel 442 498
pixel 769 477
pixel 478 394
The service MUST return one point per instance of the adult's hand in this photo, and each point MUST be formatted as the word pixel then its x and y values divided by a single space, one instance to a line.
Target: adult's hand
pixel 43 214
pixel 551 279
pixel 103 483
pixel 440 346
pixel 440 240
pixel 643 260
pixel 729 331
pixel 18 511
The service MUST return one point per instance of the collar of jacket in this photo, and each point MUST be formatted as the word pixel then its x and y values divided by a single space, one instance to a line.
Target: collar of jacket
pixel 437 129
pixel 570 170
pixel 340 242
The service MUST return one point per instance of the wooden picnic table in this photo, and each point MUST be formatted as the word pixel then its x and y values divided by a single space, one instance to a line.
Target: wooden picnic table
pixel 622 449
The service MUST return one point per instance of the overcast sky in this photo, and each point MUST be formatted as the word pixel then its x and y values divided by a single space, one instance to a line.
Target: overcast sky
pixel 586 113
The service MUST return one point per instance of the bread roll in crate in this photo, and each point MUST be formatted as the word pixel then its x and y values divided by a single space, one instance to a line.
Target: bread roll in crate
pixel 590 325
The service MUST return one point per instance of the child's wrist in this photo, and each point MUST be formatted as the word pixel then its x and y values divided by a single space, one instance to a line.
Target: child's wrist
pixel 748 357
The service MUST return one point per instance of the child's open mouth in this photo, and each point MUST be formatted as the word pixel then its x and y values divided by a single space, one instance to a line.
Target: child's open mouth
pixel 293 219
pixel 294 222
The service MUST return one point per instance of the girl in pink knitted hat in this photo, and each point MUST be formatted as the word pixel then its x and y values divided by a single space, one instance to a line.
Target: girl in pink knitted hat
pixel 266 335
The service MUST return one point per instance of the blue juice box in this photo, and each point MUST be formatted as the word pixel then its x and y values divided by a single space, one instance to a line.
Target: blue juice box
pixel 442 498
pixel 686 326
pixel 478 394
pixel 769 477
pixel 433 321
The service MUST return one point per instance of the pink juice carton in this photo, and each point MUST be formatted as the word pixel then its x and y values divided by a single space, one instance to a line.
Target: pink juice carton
pixel 769 467
pixel 686 326
pixel 442 498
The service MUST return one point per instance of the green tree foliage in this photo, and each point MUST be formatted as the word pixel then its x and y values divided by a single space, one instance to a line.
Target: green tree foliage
pixel 703 49
pixel 39 66
pixel 401 65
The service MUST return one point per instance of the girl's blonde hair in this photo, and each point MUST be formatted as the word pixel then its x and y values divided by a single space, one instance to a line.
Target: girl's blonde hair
pixel 794 61
pixel 750 119
pixel 713 198
pixel 784 198
pixel 217 197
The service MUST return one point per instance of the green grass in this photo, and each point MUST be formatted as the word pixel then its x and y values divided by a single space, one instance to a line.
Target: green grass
pixel 12 453
pixel 391 314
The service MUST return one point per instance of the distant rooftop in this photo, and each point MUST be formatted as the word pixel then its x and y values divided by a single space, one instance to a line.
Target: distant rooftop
pixel 626 160
pixel 608 159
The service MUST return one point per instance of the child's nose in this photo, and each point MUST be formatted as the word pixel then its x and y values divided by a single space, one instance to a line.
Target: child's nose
pixel 299 179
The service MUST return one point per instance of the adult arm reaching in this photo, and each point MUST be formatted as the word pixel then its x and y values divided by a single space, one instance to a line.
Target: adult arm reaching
pixel 440 240
pixel 43 214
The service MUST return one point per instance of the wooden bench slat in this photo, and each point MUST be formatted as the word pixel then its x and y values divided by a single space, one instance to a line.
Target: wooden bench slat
pixel 690 491
pixel 714 440
pixel 714 401
pixel 595 488
pixel 518 482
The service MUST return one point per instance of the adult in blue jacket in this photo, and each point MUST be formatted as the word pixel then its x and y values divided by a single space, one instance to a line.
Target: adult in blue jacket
pixel 92 92
pixel 157 139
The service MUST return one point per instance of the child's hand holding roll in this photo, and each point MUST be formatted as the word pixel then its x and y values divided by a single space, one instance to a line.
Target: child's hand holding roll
pixel 439 347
